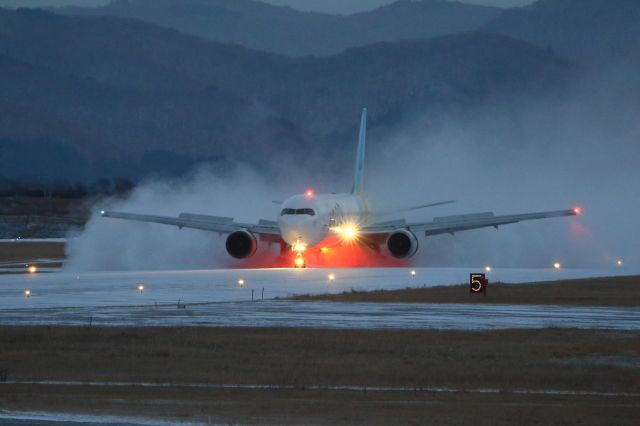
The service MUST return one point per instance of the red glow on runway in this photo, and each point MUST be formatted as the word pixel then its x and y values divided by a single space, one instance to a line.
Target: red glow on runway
pixel 331 254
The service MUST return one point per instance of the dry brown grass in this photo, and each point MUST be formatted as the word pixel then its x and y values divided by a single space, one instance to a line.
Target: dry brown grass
pixel 611 291
pixel 533 359
pixel 506 359
pixel 10 251
pixel 327 407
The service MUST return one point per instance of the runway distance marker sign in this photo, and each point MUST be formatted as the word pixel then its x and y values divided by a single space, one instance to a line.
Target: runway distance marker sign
pixel 478 283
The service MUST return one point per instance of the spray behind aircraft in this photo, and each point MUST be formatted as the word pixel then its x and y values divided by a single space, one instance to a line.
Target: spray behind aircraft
pixel 308 219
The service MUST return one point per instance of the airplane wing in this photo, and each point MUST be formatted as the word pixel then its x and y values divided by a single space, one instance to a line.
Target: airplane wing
pixel 453 224
pixel 219 224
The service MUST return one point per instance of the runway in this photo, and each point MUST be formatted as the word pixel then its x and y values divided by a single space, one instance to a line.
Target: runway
pixel 214 298
pixel 275 313
pixel 62 289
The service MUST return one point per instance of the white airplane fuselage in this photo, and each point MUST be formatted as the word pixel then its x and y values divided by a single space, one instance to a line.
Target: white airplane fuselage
pixel 306 219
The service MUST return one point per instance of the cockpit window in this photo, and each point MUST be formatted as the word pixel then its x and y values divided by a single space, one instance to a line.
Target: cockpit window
pixel 309 212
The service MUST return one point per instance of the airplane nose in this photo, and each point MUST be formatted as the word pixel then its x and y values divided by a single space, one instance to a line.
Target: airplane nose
pixel 297 231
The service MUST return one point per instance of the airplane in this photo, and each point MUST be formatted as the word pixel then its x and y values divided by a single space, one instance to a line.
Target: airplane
pixel 309 218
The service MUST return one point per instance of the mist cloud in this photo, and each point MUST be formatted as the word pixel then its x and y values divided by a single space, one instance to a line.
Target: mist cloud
pixel 508 156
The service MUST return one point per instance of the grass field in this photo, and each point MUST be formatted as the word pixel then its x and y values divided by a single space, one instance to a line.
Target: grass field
pixel 27 250
pixel 613 291
pixel 507 360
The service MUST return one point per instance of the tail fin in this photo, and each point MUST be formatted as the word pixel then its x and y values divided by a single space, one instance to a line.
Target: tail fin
pixel 358 181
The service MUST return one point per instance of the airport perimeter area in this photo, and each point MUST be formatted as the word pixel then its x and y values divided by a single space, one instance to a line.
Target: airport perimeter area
pixel 344 346
pixel 324 376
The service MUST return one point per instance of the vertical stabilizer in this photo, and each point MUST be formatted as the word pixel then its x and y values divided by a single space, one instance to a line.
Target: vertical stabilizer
pixel 358 181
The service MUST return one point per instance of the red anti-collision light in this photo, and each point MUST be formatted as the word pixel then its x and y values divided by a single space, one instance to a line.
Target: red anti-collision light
pixel 309 193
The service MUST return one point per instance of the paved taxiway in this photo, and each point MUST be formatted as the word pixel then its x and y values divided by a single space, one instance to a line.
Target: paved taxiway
pixel 214 298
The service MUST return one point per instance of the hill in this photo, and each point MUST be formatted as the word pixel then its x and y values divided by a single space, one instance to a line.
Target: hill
pixel 585 30
pixel 284 30
pixel 125 98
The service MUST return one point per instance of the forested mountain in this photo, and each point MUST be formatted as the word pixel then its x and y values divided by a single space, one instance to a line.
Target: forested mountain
pixel 87 96
pixel 284 30
pixel 585 30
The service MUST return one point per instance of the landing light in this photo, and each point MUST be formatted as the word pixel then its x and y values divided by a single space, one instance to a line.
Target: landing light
pixel 325 249
pixel 298 247
pixel 33 269
pixel 557 265
pixel 347 231
pixel 299 262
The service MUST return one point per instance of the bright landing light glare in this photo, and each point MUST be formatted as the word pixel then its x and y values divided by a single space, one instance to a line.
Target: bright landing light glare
pixel 298 247
pixel 347 231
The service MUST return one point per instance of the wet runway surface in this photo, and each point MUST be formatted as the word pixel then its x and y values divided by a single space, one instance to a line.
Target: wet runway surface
pixel 50 290
pixel 214 298
pixel 8 418
pixel 274 313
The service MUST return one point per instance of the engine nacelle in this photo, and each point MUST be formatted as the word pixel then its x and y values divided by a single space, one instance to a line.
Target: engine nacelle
pixel 241 244
pixel 402 244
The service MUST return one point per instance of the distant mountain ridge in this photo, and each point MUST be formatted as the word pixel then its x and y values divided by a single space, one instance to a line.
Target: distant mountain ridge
pixel 584 30
pixel 287 31
pixel 130 97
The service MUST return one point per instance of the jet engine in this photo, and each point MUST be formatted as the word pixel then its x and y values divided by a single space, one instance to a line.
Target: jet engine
pixel 241 244
pixel 402 244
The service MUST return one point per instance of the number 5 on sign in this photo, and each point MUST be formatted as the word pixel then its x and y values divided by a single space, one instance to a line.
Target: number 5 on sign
pixel 478 283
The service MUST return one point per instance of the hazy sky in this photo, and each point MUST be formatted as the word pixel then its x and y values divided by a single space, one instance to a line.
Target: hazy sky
pixel 351 6
pixel 329 6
